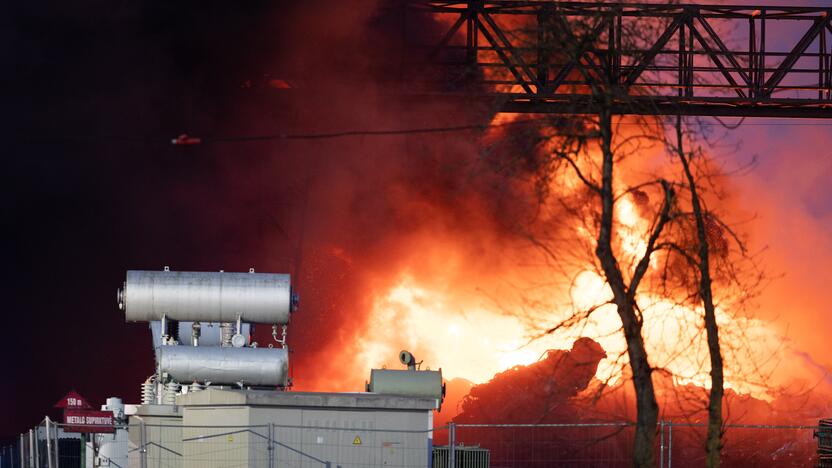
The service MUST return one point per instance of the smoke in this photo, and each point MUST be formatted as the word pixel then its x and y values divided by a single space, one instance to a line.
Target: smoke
pixel 94 188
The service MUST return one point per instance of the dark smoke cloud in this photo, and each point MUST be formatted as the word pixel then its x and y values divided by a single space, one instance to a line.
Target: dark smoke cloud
pixel 92 186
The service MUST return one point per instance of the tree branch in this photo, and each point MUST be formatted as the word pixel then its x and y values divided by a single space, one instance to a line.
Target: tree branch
pixel 664 217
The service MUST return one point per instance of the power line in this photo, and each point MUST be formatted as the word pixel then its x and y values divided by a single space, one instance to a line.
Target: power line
pixel 185 139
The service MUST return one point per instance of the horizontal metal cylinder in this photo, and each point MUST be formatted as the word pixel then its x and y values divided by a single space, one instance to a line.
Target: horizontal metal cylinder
pixel 249 366
pixel 418 383
pixel 206 296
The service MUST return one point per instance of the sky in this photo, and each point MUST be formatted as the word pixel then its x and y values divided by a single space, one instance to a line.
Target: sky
pixel 91 187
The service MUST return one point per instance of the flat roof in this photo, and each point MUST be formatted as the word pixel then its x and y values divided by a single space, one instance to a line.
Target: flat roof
pixel 228 397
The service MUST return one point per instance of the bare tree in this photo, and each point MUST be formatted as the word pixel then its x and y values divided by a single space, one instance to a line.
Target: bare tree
pixel 594 150
pixel 624 296
pixel 713 443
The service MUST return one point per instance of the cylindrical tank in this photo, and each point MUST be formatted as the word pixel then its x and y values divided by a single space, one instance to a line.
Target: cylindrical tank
pixel 418 383
pixel 206 296
pixel 251 366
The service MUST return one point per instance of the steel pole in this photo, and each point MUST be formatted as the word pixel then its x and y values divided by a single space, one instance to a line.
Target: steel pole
pixel 21 444
pixel 661 444
pixel 83 463
pixel 669 444
pixel 31 449
pixel 271 445
pixel 143 447
pixel 48 443
pixel 56 428
pixel 451 445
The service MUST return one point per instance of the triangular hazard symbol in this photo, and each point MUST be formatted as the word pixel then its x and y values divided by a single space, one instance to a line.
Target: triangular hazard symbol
pixel 357 440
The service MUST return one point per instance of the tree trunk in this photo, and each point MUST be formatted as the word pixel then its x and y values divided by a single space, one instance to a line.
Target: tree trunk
pixel 713 443
pixel 646 407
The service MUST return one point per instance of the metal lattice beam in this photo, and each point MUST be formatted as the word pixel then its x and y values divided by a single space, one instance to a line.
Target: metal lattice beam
pixel 567 57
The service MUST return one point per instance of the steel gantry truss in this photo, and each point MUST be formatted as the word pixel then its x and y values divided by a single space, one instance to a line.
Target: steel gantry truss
pixel 566 57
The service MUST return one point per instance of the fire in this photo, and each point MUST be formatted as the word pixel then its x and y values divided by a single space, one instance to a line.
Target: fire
pixel 472 336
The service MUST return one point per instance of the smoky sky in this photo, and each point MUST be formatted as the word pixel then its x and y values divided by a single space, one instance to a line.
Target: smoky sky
pixel 93 187
pixel 94 91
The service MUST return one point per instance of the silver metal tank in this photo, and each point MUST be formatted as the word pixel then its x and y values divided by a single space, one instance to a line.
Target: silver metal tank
pixel 422 383
pixel 250 366
pixel 206 296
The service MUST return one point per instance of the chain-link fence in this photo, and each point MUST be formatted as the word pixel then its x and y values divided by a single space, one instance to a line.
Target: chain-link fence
pixel 603 444
pixel 539 445
pixel 743 445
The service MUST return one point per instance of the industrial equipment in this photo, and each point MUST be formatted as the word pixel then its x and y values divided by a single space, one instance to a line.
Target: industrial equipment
pixel 201 325
pixel 411 382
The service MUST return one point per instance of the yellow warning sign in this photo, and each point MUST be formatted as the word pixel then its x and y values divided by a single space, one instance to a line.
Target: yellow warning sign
pixel 357 440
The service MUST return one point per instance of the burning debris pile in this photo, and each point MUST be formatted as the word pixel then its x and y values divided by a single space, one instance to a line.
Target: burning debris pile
pixel 537 393
pixel 578 417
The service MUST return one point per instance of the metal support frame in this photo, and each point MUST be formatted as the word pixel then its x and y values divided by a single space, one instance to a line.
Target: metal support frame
pixel 651 59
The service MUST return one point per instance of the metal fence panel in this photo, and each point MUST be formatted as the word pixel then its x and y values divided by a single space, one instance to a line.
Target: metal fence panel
pixel 352 443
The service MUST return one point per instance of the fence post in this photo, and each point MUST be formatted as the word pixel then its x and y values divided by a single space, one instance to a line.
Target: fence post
pixel 271 445
pixel 661 443
pixel 31 449
pixel 451 445
pixel 143 446
pixel 57 445
pixel 670 444
pixel 83 453
pixel 48 443
pixel 21 444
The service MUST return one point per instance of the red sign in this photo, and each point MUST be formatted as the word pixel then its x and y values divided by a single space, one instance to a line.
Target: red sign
pixel 73 400
pixel 85 420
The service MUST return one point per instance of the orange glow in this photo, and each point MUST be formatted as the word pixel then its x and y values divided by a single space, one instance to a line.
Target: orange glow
pixel 473 337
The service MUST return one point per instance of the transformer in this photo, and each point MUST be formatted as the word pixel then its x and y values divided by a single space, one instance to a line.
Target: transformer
pixel 201 324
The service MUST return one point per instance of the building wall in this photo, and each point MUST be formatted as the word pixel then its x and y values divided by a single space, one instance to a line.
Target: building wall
pixel 162 438
pixel 223 428
pixel 305 437
pixel 222 436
